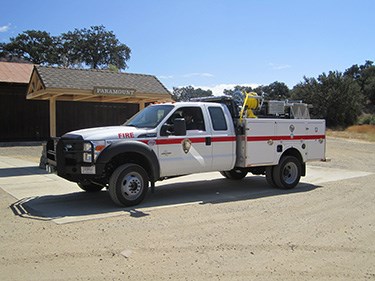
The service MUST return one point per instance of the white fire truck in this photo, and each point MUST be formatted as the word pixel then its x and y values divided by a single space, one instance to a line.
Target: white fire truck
pixel 173 139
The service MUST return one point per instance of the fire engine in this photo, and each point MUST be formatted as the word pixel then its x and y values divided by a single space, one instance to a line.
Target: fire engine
pixel 271 138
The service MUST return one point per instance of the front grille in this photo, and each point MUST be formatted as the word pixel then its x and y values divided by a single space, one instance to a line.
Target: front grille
pixel 71 151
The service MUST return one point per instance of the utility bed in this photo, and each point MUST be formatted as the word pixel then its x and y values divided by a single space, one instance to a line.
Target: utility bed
pixel 264 140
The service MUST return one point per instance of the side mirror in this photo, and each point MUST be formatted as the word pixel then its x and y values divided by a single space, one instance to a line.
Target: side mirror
pixel 165 130
pixel 176 129
pixel 179 127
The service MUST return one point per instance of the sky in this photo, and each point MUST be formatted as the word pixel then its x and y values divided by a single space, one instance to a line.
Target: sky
pixel 215 44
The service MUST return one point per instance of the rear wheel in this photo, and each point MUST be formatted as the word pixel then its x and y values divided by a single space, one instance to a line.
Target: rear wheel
pixel 269 176
pixel 89 186
pixel 287 174
pixel 128 185
pixel 234 174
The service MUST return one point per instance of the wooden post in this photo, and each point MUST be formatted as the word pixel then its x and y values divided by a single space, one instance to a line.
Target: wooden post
pixel 141 106
pixel 52 117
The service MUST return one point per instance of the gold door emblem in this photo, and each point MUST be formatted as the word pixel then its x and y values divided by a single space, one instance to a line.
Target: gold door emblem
pixel 186 144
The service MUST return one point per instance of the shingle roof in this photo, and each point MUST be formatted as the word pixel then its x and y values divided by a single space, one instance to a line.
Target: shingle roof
pixel 12 72
pixel 87 79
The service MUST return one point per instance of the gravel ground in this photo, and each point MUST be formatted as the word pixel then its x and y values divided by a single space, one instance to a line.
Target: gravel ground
pixel 349 154
pixel 326 233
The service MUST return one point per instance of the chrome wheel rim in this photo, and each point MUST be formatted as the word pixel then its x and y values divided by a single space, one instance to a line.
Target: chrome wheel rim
pixel 132 185
pixel 290 173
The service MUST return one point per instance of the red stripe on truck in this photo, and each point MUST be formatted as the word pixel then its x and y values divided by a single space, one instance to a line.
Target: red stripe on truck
pixel 279 138
pixel 196 140
pixel 193 140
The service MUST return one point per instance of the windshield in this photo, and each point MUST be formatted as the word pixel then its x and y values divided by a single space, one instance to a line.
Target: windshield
pixel 149 117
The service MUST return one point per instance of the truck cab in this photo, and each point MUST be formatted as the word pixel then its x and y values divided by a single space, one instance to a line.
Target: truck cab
pixel 207 144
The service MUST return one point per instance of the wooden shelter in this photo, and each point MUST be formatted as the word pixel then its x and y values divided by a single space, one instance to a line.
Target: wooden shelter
pixel 100 86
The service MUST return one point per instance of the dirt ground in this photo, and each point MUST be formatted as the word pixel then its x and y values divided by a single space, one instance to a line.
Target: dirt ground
pixel 324 233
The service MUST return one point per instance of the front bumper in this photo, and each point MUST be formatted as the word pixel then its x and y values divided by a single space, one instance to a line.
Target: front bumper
pixel 65 156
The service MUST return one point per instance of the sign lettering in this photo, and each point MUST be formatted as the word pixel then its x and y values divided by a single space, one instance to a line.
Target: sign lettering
pixel 114 91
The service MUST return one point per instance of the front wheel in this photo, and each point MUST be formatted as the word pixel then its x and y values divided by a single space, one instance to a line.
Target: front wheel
pixel 287 174
pixel 234 174
pixel 128 185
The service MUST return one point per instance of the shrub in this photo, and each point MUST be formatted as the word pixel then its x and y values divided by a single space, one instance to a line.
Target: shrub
pixel 367 119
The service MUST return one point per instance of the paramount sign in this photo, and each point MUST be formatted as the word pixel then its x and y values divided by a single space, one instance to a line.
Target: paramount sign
pixel 113 91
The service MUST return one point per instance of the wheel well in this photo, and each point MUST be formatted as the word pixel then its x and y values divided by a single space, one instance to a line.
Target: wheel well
pixel 129 158
pixel 294 152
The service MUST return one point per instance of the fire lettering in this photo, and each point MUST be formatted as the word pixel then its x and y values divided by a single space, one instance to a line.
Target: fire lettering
pixel 125 135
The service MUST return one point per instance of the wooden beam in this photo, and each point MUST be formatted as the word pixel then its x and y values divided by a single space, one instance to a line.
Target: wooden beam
pixel 82 97
pixel 52 117
pixel 35 95
pixel 48 96
pixel 112 99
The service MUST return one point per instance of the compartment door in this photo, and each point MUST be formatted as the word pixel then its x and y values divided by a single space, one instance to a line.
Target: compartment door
pixel 260 148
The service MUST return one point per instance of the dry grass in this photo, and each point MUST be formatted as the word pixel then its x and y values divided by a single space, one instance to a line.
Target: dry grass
pixel 359 132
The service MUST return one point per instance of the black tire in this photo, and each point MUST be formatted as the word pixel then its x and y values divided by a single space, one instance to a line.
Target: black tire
pixel 128 185
pixel 269 176
pixel 287 174
pixel 234 174
pixel 89 186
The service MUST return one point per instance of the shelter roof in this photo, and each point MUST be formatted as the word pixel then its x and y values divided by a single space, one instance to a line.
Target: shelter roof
pixel 95 85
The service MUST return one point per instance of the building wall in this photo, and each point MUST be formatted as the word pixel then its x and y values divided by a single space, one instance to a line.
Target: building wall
pixel 28 120
pixel 79 115
pixel 21 119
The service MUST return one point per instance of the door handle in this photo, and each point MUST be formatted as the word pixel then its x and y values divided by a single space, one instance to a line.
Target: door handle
pixel 208 140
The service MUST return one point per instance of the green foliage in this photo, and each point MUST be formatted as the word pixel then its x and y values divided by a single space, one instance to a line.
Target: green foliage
pixel 364 76
pixel 187 93
pixel 94 47
pixel 238 88
pixel 334 97
pixel 113 68
pixel 274 91
pixel 368 119
pixel 32 45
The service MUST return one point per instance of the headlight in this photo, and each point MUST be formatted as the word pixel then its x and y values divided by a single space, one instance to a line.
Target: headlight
pixel 87 157
pixel 87 146
pixel 91 150
pixel 88 152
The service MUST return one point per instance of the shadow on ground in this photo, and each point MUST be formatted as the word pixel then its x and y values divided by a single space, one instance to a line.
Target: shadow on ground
pixel 21 171
pixel 213 191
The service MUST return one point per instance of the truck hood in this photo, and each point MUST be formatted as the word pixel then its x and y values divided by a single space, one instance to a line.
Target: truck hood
pixel 111 133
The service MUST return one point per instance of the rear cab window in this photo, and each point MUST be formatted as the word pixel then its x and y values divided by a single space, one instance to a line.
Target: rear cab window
pixel 218 120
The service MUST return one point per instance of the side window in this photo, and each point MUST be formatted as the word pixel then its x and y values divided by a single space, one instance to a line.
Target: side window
pixel 193 118
pixel 218 119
